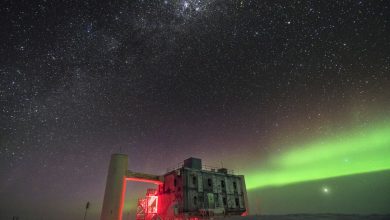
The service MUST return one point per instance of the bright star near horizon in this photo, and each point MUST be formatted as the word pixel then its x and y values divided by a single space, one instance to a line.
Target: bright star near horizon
pixel 325 190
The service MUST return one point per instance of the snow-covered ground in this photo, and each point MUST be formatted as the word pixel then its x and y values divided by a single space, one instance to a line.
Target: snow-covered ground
pixel 313 217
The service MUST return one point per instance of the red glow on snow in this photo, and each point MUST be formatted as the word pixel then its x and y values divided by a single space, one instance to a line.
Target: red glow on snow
pixel 157 182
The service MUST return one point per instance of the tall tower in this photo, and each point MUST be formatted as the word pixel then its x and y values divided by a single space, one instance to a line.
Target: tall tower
pixel 115 188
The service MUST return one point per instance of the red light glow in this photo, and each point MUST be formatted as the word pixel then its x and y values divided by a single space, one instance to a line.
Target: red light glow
pixel 152 204
pixel 123 198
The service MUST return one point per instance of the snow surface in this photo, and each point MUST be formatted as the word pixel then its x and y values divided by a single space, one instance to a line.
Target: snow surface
pixel 313 217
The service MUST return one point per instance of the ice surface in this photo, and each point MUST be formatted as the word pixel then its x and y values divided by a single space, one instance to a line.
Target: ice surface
pixel 313 217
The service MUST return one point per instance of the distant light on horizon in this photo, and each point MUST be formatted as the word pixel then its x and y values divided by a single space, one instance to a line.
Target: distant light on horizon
pixel 326 190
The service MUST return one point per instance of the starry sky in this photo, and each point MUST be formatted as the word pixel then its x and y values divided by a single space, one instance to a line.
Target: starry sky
pixel 246 84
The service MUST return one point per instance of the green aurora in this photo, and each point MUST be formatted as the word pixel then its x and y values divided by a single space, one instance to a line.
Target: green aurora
pixel 356 152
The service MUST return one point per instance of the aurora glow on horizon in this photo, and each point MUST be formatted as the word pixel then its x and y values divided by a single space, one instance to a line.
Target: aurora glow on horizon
pixel 360 151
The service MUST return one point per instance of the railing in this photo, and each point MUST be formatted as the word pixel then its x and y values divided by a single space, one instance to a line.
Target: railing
pixel 204 167
pixel 178 166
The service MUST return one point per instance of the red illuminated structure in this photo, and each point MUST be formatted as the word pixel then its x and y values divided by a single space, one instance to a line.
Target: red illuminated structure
pixel 147 208
pixel 190 191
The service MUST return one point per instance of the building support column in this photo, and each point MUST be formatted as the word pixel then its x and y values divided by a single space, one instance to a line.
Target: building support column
pixel 114 194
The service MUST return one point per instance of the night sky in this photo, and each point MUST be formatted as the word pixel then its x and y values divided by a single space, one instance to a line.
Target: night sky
pixel 279 91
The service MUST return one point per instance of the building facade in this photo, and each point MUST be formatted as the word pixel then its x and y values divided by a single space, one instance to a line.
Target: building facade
pixel 193 191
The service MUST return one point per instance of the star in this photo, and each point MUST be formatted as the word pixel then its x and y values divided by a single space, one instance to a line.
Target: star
pixel 325 190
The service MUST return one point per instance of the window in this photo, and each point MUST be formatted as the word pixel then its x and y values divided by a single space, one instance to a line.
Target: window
pixel 209 182
pixel 235 185
pixel 237 202
pixel 195 200
pixel 224 201
pixel 193 180
pixel 175 182
pixel 222 184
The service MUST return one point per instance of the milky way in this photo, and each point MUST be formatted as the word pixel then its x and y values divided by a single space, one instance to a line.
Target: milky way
pixel 236 83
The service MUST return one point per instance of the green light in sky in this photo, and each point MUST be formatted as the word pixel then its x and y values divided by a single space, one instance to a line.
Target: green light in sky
pixel 360 151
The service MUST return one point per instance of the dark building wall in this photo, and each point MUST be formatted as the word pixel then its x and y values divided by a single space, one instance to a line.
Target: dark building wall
pixel 193 163
pixel 172 193
pixel 212 190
